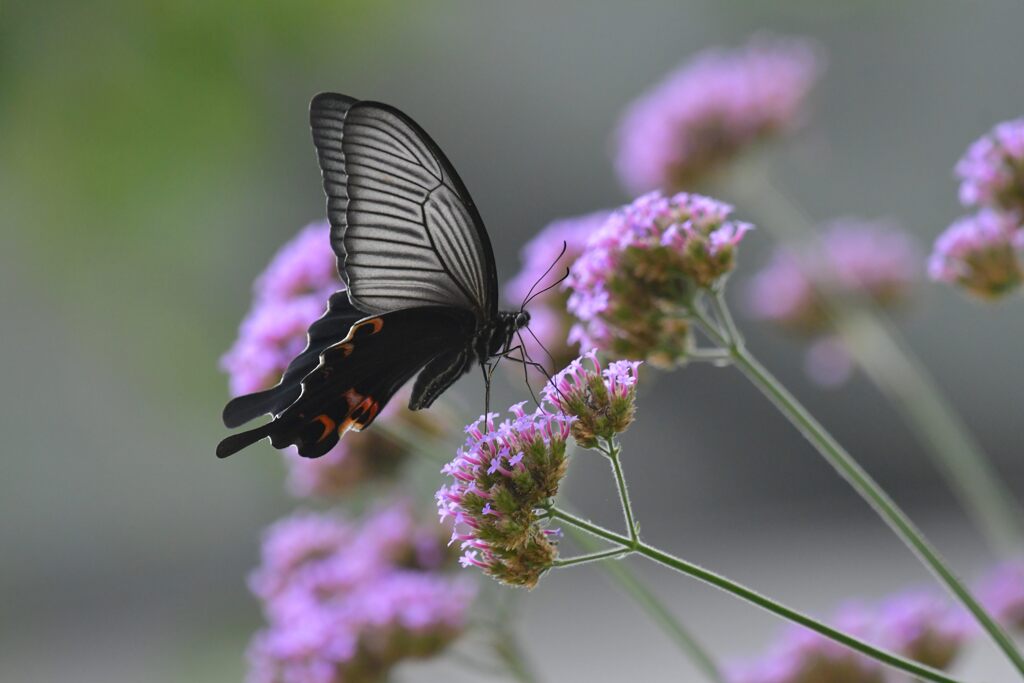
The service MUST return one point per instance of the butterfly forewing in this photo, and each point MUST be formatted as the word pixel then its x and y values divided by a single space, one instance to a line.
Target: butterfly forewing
pixel 403 225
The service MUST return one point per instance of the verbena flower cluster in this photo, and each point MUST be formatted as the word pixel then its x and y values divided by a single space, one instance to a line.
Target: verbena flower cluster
pixel 601 401
pixel 1002 594
pixel 854 261
pixel 711 109
pixel 506 474
pixel 643 266
pixel 981 252
pixel 550 320
pixel 992 171
pixel 345 602
pixel 288 296
pixel 919 625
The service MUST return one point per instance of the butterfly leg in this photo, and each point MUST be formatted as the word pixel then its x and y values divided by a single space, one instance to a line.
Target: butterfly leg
pixel 488 370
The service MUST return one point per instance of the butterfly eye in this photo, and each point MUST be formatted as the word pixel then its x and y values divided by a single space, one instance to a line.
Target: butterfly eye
pixel 522 320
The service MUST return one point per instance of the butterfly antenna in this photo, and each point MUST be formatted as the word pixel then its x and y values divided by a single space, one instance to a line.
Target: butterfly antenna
pixel 529 295
pixel 548 288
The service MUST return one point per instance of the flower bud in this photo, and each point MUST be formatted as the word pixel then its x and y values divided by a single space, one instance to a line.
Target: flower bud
pixel 602 400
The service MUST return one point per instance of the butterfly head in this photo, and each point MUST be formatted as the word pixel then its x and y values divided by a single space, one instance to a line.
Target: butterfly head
pixel 522 319
pixel 503 332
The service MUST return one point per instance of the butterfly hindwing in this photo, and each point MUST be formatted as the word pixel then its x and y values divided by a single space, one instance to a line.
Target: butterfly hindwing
pixel 403 225
pixel 356 377
pixel 327 330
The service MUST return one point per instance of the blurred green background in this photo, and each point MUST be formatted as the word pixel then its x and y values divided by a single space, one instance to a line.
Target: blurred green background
pixel 153 155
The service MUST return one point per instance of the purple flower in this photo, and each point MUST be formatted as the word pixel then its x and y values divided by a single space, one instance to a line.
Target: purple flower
pixel 288 296
pixel 992 170
pixel 854 259
pixel 271 335
pixel 347 602
pixel 642 266
pixel 495 502
pixel 923 626
pixel 918 624
pixel 980 254
pixel 715 106
pixel 804 656
pixel 305 265
pixel 602 401
pixel 549 319
pixel 827 362
pixel 1002 593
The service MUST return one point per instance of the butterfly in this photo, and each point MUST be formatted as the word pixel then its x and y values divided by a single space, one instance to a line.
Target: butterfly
pixel 421 295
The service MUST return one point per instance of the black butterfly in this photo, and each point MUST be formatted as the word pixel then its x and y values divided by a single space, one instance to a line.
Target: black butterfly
pixel 422 289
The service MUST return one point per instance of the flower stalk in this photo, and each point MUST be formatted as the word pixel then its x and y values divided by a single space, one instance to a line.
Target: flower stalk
pixel 621 574
pixel 678 564
pixel 891 365
pixel 854 474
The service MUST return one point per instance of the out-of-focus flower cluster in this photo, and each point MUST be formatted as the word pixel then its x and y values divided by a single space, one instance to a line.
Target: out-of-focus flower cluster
pixel 642 267
pixel 992 170
pixel 981 252
pixel 1001 592
pixel 550 320
pixel 919 625
pixel 711 109
pixel 506 475
pixel 854 261
pixel 288 296
pixel 347 601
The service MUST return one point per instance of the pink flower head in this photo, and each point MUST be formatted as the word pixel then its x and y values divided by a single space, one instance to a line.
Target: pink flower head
pixel 549 319
pixel 804 656
pixel 1002 593
pixel 980 253
pixel 500 478
pixel 340 597
pixel 288 296
pixel 714 107
pixel 642 265
pixel 924 626
pixel 992 170
pixel 855 259
pixel 602 400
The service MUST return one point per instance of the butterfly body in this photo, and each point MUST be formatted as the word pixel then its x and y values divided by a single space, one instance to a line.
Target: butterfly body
pixel 421 285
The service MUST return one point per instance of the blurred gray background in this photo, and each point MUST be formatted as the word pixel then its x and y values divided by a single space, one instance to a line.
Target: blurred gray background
pixel 154 155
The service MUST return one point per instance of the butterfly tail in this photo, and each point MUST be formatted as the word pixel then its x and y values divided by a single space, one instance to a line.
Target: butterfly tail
pixel 237 442
pixel 241 409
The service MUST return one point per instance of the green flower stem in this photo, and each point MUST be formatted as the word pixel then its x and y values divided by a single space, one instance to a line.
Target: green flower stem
pixel 913 668
pixel 859 479
pixel 611 450
pixel 650 603
pixel 591 557
pixel 892 366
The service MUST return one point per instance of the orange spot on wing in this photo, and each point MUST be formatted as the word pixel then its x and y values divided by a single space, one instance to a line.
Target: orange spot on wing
pixel 328 424
pixel 361 411
pixel 377 324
